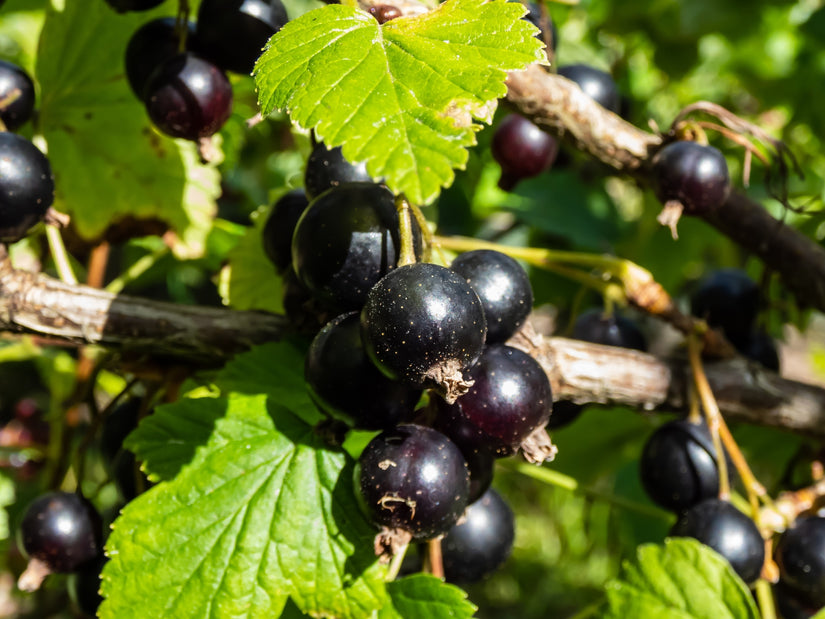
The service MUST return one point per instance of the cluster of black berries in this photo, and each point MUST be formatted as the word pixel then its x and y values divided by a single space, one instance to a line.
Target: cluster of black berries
pixel 177 69
pixel 26 180
pixel 396 331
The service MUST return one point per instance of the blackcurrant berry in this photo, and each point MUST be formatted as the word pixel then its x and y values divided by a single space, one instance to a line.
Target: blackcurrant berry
pixel 800 554
pixel 692 174
pixel 345 241
pixel 522 150
pixel 510 398
pixel 62 530
pixel 727 299
pixel 233 33
pixel 423 324
pixel 327 168
pixel 125 6
pixel 188 97
pixel 279 228
pixel 725 529
pixel 481 542
pixel 150 46
pixel 481 463
pixel 26 186
pixel 15 82
pixel 596 84
pixel 415 479
pixel 790 606
pixel 84 586
pixel 345 384
pixel 503 287
pixel 609 330
pixel 678 466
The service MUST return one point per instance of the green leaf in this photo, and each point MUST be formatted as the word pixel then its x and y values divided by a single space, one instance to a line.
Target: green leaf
pixel 249 280
pixel 424 595
pixel 108 161
pixel 401 96
pixel 682 579
pixel 264 512
pixel 819 615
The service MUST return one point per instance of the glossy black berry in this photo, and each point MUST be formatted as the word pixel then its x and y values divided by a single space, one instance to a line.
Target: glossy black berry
pixel 509 399
pixel 14 81
pixel 62 530
pixel 522 150
pixel 790 606
pixel 233 33
pixel 678 466
pixel 423 324
pixel 725 529
pixel 415 479
pixel 345 241
pixel 345 384
pixel 280 226
pixel 693 174
pixel 596 84
pixel 609 330
pixel 800 554
pixel 26 186
pixel 727 299
pixel 481 463
pixel 84 586
pixel 540 18
pixel 150 46
pixel 503 287
pixel 479 545
pixel 327 168
pixel 125 6
pixel 188 97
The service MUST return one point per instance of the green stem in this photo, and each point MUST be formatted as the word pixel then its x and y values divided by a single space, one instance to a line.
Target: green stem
pixel 407 255
pixel 395 564
pixel 764 596
pixel 60 255
pixel 588 611
pixel 560 480
pixel 138 268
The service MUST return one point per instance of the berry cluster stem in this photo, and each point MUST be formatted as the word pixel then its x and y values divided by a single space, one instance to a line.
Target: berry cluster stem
pixel 405 231
pixel 60 255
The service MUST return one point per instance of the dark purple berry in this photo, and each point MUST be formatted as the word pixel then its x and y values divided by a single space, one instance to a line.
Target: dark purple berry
pixel 693 174
pixel 522 150
pixel 727 299
pixel 14 81
pixel 800 554
pixel 26 186
pixel 125 6
pixel 327 168
pixel 346 240
pixel 345 384
pixel 790 606
pixel 150 46
pixel 725 529
pixel 280 226
pixel 503 287
pixel 62 530
pixel 187 97
pixel 595 83
pixel 510 398
pixel 423 324
pixel 481 542
pixel 415 479
pixel 596 327
pixel 233 33
pixel 678 466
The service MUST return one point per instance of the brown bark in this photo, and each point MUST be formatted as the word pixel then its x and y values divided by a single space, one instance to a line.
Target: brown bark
pixel 41 306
